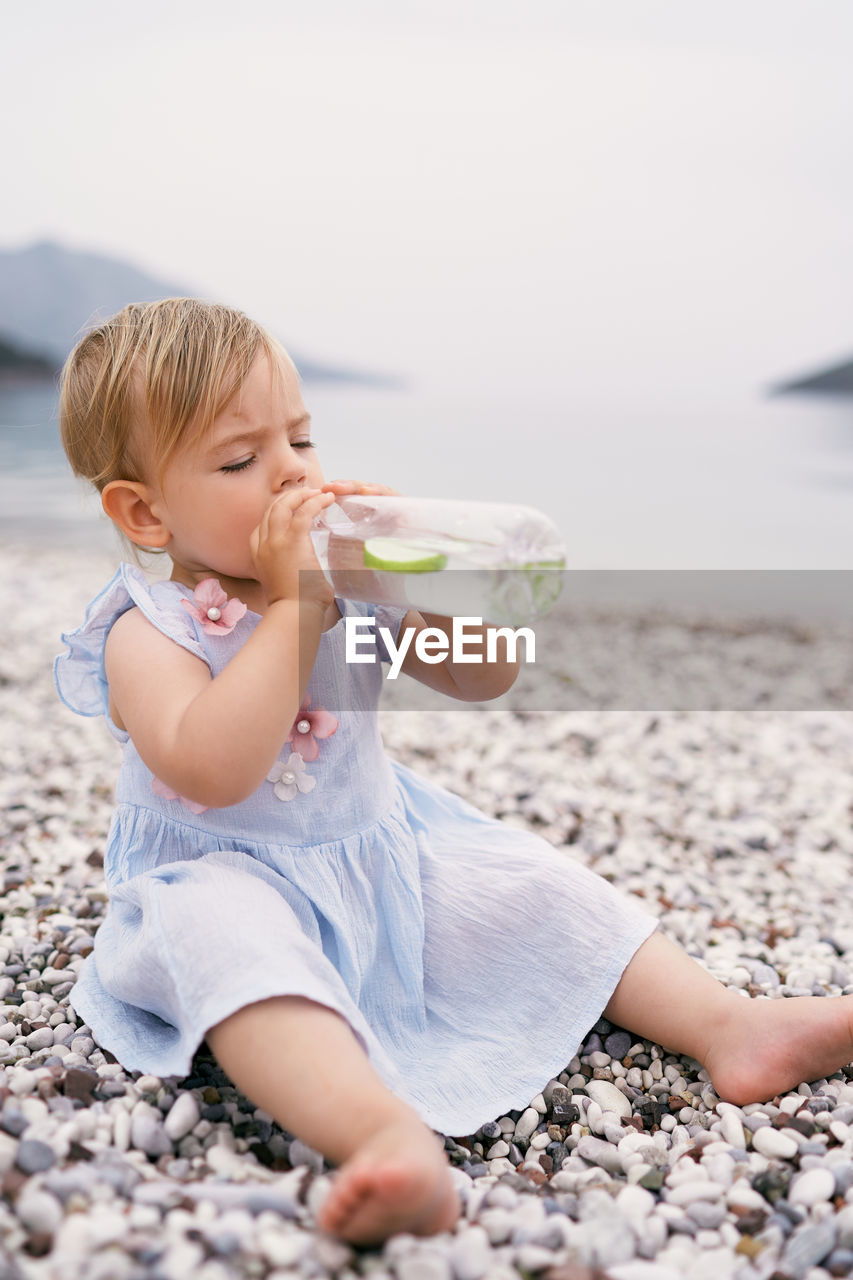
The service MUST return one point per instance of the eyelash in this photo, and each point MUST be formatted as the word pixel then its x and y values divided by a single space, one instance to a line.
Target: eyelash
pixel 241 466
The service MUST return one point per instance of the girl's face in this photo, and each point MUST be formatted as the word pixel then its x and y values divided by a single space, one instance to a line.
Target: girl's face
pixel 215 492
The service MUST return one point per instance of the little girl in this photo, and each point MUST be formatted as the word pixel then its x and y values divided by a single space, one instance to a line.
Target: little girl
pixel 369 957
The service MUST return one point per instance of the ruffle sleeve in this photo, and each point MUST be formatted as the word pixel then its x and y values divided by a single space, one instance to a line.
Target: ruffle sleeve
pixel 79 673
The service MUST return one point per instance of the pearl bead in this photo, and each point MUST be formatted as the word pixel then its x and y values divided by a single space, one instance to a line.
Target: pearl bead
pixel 214 614
pixel 302 726
pixel 288 776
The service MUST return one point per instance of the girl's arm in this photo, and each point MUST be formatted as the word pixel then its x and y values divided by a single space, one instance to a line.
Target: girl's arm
pixel 469 682
pixel 214 740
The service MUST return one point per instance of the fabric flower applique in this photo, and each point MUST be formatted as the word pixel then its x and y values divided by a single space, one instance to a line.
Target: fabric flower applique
pixel 308 727
pixel 211 607
pixel 289 777
pixel 160 789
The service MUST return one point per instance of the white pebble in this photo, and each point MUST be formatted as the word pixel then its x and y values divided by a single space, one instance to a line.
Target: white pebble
pixel 38 1210
pixel 183 1116
pixel 284 1248
pixel 527 1122
pixel 812 1187
pixel 609 1098
pixel 773 1144
pixel 470 1253
pixel 423 1264
pixel 697 1189
pixel 732 1131
pixel 740 1194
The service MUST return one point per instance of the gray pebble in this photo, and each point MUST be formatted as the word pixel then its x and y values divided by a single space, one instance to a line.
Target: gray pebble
pixel 34 1156
pixel 491 1129
pixel 302 1154
pixel 601 1153
pixel 147 1134
pixel 840 1262
pixel 275 1199
pixel 808 1246
pixel 706 1214
pixel 617 1044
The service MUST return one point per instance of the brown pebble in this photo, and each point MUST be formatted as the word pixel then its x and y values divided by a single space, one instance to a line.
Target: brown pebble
pixel 13 1180
pixel 749 1247
pixel 77 1151
pixel 39 1244
pixel 574 1271
pixel 62 960
pixel 210 1095
pixel 750 1221
pixel 79 1083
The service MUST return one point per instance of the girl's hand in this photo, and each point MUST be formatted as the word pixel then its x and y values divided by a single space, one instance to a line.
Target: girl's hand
pixel 281 547
pixel 342 488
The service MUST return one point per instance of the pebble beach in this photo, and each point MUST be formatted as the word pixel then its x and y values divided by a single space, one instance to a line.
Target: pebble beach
pixel 734 827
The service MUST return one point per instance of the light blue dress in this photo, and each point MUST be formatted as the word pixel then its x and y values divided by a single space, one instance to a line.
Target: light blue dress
pixel 468 957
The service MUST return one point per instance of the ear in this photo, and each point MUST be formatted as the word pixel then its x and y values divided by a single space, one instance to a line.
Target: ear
pixel 132 506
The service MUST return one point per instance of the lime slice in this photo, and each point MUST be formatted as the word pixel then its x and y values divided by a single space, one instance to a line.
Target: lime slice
pixel 546 564
pixel 397 556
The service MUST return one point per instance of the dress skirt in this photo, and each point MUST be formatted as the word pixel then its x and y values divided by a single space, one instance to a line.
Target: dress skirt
pixel 469 958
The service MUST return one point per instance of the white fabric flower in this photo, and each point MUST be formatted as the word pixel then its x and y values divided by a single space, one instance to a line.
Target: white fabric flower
pixel 289 776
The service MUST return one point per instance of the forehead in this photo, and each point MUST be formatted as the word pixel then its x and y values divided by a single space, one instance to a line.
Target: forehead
pixel 269 398
pixel 271 387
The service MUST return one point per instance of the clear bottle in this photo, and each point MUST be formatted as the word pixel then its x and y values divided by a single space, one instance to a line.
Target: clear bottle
pixel 495 561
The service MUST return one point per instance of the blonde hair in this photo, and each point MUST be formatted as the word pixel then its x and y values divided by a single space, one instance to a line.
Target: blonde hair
pixel 165 369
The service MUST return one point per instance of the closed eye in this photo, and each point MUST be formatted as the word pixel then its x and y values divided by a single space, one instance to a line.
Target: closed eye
pixel 247 462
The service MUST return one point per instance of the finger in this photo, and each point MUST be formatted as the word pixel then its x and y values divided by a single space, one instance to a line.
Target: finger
pixel 360 486
pixel 307 512
pixel 284 506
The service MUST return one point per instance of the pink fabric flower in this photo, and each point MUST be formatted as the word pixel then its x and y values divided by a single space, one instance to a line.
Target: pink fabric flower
pixel 160 789
pixel 289 777
pixel 308 726
pixel 211 607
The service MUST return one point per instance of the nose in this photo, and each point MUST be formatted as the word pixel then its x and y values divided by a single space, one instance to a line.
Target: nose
pixel 290 467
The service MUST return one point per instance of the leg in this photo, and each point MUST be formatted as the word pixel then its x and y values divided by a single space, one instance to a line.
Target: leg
pixel 752 1049
pixel 300 1061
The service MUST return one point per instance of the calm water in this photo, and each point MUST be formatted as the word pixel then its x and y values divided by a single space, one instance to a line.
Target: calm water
pixel 733 482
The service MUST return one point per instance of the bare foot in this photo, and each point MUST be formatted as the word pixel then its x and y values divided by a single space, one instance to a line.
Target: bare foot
pixel 399 1180
pixel 769 1046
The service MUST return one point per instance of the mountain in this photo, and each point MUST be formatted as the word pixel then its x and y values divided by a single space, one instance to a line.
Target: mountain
pixel 836 380
pixel 15 363
pixel 50 295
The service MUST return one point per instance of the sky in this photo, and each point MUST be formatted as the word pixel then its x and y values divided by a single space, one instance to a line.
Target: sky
pixel 640 194
pixel 588 234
